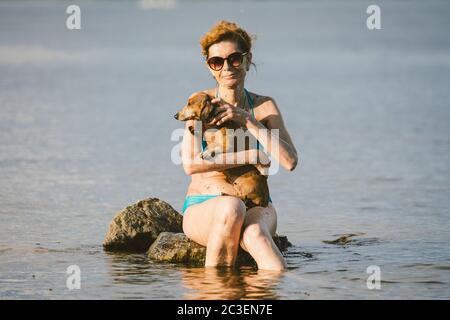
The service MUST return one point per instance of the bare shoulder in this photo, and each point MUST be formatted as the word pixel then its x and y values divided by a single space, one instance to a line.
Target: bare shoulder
pixel 264 106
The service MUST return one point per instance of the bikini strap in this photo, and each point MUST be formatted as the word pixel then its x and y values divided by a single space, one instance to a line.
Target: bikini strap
pixel 250 101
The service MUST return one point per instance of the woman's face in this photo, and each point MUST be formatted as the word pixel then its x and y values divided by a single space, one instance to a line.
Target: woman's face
pixel 229 76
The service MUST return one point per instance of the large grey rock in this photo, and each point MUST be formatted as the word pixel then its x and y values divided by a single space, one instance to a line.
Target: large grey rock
pixel 177 248
pixel 137 226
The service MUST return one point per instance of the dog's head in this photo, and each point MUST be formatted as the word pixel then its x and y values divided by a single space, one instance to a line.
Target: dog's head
pixel 199 107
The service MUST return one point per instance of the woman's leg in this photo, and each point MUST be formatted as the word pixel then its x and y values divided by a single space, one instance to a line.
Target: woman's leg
pixel 216 223
pixel 259 227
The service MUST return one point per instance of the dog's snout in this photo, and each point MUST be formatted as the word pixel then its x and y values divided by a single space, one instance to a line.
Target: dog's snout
pixel 176 116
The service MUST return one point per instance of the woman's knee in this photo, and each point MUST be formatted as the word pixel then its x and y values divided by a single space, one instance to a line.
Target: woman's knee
pixel 230 210
pixel 255 232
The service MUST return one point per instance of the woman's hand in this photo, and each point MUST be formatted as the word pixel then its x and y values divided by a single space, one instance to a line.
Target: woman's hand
pixel 226 112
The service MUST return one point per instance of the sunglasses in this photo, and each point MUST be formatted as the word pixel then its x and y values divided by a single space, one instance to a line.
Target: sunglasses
pixel 235 59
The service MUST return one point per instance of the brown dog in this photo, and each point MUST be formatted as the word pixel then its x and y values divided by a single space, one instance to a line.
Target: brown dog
pixel 250 185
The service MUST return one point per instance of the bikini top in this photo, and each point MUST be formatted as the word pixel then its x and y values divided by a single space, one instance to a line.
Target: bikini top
pixel 250 102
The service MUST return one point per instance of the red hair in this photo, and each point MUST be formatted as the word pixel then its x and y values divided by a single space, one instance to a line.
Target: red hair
pixel 226 31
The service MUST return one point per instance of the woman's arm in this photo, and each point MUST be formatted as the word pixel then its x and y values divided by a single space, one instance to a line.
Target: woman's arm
pixel 287 154
pixel 193 163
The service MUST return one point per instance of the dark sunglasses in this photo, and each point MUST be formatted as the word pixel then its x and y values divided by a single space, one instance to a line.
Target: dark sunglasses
pixel 235 59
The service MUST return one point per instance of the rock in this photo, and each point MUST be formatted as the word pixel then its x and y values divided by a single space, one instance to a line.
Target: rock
pixel 137 226
pixel 343 238
pixel 177 248
pixel 282 242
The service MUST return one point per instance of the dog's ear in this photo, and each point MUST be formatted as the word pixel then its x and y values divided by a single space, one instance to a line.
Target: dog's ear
pixel 207 109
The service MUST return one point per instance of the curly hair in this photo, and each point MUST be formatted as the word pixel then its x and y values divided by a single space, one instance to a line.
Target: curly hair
pixel 226 31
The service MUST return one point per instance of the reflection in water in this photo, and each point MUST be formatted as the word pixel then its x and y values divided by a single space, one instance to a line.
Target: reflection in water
pixel 128 268
pixel 201 283
pixel 226 283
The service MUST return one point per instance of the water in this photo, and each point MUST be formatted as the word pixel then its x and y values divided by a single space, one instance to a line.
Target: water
pixel 86 121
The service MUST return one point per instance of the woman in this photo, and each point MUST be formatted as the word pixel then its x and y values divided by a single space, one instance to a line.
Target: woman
pixel 219 222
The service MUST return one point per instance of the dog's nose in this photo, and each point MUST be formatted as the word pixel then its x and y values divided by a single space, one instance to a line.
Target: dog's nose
pixel 176 116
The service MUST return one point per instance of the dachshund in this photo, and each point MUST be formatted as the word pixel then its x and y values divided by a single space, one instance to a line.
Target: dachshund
pixel 250 185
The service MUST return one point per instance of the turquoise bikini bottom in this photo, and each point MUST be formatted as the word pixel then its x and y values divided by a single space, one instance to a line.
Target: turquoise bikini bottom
pixel 199 198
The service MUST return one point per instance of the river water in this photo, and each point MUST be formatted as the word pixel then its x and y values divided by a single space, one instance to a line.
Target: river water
pixel 87 118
